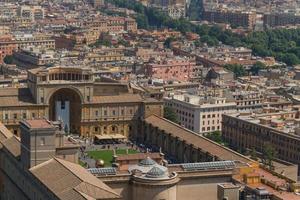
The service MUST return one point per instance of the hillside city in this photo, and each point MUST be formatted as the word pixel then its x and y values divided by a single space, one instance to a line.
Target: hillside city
pixel 150 99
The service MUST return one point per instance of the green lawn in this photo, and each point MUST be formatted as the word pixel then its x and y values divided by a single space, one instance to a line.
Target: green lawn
pixel 107 155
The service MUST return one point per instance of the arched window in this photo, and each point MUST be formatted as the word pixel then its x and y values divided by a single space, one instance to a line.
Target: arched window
pixel 114 129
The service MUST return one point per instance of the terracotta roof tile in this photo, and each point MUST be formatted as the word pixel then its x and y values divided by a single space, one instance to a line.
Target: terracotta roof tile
pixel 71 181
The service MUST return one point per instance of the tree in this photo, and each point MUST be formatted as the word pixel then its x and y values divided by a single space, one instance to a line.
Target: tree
pixel 168 42
pixel 257 67
pixel 8 59
pixel 237 69
pixel 170 114
pixel 215 136
pixel 269 154
pixel 253 154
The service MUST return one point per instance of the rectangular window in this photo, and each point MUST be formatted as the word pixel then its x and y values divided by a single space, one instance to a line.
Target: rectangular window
pixel 42 141
pixel 114 112
pixel 15 116
pixel 6 116
pixel 96 113
pixel 63 105
pixel 33 115
pixel 122 112
pixel 24 116
pixel 42 99
pixel 105 112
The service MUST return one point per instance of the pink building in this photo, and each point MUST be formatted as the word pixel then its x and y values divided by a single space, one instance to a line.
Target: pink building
pixel 171 69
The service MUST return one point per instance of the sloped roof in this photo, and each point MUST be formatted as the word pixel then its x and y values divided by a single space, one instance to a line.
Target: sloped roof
pixel 71 181
pixel 4 133
pixel 13 145
pixel 123 98
pixel 197 140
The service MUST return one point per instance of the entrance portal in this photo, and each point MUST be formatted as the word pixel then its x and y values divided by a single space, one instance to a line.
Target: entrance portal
pixel 65 105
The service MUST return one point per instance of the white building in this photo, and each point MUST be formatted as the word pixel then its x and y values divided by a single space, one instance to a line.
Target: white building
pixel 200 114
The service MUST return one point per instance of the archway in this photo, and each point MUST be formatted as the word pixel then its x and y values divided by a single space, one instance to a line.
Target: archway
pixel 65 105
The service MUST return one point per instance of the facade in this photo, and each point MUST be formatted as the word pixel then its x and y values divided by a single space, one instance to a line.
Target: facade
pixel 112 24
pixel 36 57
pixel 13 43
pixel 30 168
pixel 280 19
pixel 200 114
pixel 31 12
pixel 276 128
pixel 26 165
pixel 57 93
pixel 248 100
pixel 171 69
pixel 7 47
pixel 238 18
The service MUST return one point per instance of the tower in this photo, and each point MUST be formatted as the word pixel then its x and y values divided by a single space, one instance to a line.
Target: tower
pixel 37 142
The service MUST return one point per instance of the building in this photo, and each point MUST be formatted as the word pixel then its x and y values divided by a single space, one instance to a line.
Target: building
pixel 31 12
pixel 250 100
pixel 26 165
pixel 179 69
pixel 219 76
pixel 112 24
pixel 97 3
pixel 274 127
pixel 200 114
pixel 58 92
pixel 7 46
pixel 236 18
pixel 272 20
pixel 36 57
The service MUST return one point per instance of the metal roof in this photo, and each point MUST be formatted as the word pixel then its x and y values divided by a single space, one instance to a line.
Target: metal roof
pixel 208 165
pixel 103 171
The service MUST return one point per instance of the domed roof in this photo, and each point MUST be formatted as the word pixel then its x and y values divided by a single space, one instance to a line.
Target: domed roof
pixel 155 172
pixel 147 162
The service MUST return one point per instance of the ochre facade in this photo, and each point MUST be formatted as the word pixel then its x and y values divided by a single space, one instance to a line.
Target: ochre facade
pixel 96 107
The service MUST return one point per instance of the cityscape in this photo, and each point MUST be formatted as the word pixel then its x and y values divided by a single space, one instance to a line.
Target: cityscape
pixel 149 100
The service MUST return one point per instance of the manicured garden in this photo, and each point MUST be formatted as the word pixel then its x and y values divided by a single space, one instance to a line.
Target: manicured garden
pixel 107 155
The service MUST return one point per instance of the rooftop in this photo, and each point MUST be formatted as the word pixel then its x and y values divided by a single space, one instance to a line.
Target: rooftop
pixel 38 123
pixel 196 140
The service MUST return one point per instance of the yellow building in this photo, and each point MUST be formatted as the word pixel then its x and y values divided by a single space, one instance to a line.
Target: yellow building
pixel 85 105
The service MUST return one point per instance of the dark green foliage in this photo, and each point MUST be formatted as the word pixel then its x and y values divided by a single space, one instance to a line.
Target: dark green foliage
pixel 237 69
pixel 170 114
pixel 8 59
pixel 257 67
pixel 269 154
pixel 215 136
pixel 195 10
pixel 168 41
pixel 283 44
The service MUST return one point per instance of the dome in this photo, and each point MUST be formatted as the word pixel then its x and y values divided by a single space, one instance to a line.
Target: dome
pixel 155 172
pixel 147 162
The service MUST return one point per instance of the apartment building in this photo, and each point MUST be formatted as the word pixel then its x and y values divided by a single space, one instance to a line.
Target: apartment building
pixel 280 19
pixel 200 114
pixel 275 127
pixel 237 18
pixel 177 68
pixel 248 100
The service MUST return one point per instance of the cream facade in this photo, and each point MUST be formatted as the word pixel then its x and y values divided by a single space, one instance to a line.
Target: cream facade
pixel 200 114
